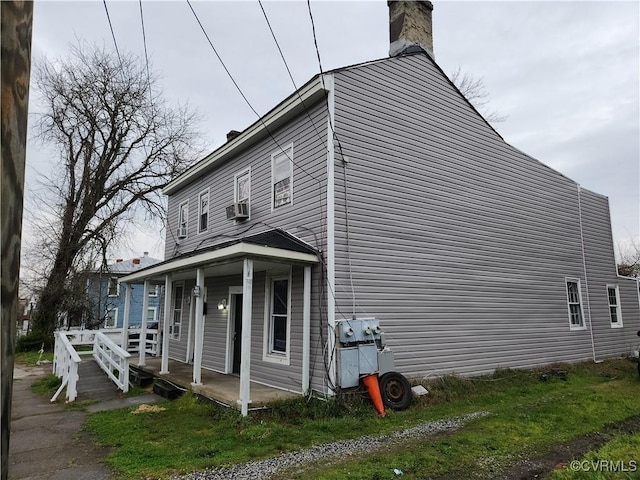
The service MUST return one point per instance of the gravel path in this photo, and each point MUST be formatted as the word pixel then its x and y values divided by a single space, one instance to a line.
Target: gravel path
pixel 263 469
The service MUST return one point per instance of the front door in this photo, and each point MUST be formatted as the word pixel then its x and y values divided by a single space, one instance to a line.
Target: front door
pixel 237 332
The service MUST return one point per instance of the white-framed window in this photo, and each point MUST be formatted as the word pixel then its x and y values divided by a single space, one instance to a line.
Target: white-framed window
pixel 176 318
pixel 153 291
pixel 282 177
pixel 111 318
pixel 574 304
pixel 615 314
pixel 242 187
pixel 183 219
pixel 203 211
pixel 152 315
pixel 113 289
pixel 277 318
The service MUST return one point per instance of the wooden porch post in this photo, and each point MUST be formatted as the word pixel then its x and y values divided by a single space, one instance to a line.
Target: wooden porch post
pixel 168 293
pixel 245 349
pixel 306 329
pixel 125 317
pixel 143 325
pixel 199 333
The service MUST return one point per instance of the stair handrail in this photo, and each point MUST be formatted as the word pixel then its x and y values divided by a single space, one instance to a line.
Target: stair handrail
pixel 65 365
pixel 112 359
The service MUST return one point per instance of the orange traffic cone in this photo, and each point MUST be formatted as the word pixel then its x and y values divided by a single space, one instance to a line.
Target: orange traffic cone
pixel 373 387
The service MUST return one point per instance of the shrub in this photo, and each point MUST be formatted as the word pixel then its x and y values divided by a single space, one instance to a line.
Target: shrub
pixel 30 342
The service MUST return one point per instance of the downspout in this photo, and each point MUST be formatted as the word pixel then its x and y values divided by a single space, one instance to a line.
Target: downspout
pixel 328 81
pixel 586 281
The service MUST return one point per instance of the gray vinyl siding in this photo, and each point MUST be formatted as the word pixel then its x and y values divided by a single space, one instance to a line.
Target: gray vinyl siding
pixel 178 347
pixel 460 244
pixel 304 218
pixel 601 271
pixel 214 353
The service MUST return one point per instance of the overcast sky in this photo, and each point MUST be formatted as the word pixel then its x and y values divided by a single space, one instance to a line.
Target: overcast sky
pixel 565 73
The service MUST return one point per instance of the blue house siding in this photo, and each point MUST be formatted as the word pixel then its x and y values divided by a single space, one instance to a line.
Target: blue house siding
pixel 135 309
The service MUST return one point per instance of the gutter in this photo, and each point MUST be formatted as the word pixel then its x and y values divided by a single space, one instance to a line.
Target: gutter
pixel 296 103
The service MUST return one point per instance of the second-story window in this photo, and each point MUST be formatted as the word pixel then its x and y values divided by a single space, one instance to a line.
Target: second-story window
pixel 282 176
pixel 113 289
pixel 203 211
pixel 183 219
pixel 242 187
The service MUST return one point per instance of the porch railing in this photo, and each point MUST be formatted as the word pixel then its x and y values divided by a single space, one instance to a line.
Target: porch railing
pixel 112 359
pixel 65 366
pixel 151 342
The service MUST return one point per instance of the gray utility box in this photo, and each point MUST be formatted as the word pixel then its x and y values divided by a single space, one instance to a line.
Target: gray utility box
pixel 359 330
pixel 354 362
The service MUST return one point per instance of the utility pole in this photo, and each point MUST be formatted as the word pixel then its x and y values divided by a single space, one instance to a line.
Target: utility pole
pixel 16 27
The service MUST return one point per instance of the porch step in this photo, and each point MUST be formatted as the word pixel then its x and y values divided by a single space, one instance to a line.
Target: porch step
pixel 166 389
pixel 139 376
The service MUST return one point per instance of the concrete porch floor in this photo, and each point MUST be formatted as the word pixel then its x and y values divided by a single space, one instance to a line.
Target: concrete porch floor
pixel 217 386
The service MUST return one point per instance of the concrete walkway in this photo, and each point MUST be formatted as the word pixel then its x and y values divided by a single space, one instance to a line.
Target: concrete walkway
pixel 47 439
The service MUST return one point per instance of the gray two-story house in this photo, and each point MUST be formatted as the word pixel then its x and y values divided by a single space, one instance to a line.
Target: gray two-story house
pixel 378 190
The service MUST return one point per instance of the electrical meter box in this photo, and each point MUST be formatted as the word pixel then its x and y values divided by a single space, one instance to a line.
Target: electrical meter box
pixel 368 358
pixel 359 330
pixel 348 367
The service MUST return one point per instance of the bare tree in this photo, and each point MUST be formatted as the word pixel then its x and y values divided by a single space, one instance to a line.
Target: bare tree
pixel 119 143
pixel 629 259
pixel 474 90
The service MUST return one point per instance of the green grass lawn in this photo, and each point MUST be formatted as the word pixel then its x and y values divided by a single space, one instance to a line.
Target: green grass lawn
pixel 527 417
pixel 31 357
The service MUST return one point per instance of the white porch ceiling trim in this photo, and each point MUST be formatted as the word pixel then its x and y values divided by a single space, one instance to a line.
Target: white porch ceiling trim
pixel 239 250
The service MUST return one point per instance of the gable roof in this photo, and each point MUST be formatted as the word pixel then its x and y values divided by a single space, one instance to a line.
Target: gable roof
pixel 300 100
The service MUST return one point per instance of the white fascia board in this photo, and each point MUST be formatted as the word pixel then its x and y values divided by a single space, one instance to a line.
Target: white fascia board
pixel 290 107
pixel 239 250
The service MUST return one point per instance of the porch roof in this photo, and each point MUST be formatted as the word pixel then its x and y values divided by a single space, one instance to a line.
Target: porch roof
pixel 272 246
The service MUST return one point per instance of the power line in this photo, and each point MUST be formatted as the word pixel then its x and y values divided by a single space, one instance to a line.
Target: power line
pixel 113 35
pixel 289 71
pixel 245 98
pixel 146 56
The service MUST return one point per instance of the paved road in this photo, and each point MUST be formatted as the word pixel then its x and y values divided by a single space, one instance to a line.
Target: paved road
pixel 47 440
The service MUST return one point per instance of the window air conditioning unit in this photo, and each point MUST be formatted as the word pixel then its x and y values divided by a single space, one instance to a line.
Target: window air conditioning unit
pixel 182 232
pixel 238 211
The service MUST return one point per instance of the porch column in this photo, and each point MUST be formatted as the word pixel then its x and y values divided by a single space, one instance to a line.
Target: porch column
pixel 143 326
pixel 168 293
pixel 245 349
pixel 199 333
pixel 306 329
pixel 125 317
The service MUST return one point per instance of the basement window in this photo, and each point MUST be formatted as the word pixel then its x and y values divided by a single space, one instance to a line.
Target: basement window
pixel 615 314
pixel 574 304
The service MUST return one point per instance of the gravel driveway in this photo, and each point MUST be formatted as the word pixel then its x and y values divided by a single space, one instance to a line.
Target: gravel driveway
pixel 263 469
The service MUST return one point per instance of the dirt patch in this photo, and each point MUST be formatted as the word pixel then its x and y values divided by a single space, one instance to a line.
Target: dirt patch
pixel 557 456
pixel 145 408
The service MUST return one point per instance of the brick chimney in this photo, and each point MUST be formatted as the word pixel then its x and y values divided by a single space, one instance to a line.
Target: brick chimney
pixel 232 134
pixel 410 27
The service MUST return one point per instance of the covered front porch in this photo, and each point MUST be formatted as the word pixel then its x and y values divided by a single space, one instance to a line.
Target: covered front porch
pixel 217 386
pixel 240 339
